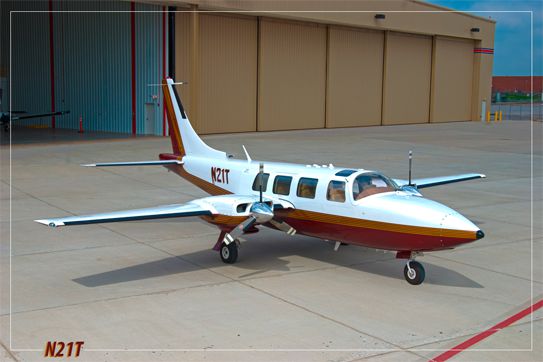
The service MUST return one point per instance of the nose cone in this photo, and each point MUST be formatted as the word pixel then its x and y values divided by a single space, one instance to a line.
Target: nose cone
pixel 440 225
pixel 455 221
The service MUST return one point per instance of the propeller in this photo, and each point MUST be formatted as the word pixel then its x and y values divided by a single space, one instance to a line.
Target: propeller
pixel 261 213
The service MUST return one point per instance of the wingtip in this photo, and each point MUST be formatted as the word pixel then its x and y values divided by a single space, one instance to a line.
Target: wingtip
pixel 48 223
pixel 88 165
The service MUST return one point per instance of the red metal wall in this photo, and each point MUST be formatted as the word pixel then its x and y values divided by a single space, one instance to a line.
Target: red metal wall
pixel 518 84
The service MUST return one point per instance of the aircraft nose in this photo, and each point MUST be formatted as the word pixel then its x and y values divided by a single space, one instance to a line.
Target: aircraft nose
pixel 453 221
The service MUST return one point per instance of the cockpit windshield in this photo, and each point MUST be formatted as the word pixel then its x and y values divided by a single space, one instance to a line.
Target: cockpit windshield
pixel 372 183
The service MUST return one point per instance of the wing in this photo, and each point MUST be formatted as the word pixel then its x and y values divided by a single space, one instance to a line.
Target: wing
pixel 440 180
pixel 136 163
pixel 158 212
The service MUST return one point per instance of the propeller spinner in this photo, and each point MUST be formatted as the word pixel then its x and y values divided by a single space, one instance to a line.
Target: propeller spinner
pixel 261 212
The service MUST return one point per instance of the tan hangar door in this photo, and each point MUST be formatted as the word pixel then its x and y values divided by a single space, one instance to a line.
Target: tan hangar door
pixel 226 75
pixel 355 77
pixel 408 63
pixel 292 75
pixel 453 80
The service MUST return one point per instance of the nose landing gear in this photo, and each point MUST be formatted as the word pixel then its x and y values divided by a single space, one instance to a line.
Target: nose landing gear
pixel 414 272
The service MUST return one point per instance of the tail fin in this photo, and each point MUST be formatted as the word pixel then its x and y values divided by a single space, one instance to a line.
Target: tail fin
pixel 185 141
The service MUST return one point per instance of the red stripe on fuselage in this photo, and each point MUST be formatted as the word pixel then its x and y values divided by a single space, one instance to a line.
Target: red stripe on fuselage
pixel 373 238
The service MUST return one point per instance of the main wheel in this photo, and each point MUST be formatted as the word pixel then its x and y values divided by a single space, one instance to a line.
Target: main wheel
pixel 229 253
pixel 416 275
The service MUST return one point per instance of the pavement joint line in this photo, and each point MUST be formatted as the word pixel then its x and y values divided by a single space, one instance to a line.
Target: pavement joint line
pixel 467 335
pixel 367 358
pixel 485 269
pixel 286 301
pixel 330 267
pixel 8 351
pixel 483 246
pixel 70 250
pixel 330 319
pixel 231 280
pixel 143 182
pixel 157 292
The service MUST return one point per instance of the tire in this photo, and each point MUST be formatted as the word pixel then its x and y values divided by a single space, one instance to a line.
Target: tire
pixel 229 253
pixel 417 277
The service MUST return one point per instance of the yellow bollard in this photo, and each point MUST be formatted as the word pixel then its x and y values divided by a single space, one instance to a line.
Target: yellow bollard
pixel 501 116
pixel 488 116
pixel 496 116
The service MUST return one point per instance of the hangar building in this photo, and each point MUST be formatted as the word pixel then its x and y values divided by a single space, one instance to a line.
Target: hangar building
pixel 248 69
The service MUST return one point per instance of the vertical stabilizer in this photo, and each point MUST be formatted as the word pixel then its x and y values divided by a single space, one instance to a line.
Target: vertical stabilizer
pixel 185 141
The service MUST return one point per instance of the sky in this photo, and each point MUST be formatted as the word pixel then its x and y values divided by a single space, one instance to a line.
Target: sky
pixel 513 32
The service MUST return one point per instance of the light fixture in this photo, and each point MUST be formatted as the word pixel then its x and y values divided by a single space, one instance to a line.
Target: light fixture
pixel 380 16
pixel 475 30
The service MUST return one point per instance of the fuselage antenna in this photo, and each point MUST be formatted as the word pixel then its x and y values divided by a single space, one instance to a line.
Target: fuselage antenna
pixel 410 165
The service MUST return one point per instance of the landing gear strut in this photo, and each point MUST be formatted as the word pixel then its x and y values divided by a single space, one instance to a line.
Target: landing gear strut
pixel 229 253
pixel 414 272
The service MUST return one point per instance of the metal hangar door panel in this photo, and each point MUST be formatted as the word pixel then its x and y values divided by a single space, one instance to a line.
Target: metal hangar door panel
pixel 453 80
pixel 408 63
pixel 292 75
pixel 355 77
pixel 227 89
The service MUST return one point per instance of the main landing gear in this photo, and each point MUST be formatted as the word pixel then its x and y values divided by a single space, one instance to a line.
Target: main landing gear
pixel 229 253
pixel 413 270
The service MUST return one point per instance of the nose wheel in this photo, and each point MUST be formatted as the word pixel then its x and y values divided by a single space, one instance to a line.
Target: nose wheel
pixel 414 272
pixel 229 253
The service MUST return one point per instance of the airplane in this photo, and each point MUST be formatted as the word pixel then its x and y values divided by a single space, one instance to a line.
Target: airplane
pixel 5 119
pixel 346 205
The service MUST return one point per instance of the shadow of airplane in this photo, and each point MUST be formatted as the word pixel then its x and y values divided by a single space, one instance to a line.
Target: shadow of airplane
pixel 268 250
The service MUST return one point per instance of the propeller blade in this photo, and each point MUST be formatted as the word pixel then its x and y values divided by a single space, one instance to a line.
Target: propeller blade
pixel 239 230
pixel 283 226
pixel 260 181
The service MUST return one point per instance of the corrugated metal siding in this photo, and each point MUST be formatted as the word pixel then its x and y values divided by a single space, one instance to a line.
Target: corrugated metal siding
pixel 408 64
pixel 228 67
pixel 453 78
pixel 92 61
pixel 148 64
pixel 30 61
pixel 182 61
pixel 292 75
pixel 355 77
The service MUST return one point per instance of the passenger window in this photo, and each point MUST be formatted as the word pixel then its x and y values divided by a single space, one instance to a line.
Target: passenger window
pixel 281 185
pixel 336 191
pixel 256 184
pixel 307 187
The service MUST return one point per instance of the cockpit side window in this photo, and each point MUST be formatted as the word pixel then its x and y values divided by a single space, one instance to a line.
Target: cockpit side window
pixel 336 191
pixel 368 184
pixel 256 183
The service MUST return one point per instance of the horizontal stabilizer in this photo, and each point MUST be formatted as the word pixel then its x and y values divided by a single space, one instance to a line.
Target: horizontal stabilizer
pixel 158 212
pixel 440 180
pixel 137 163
